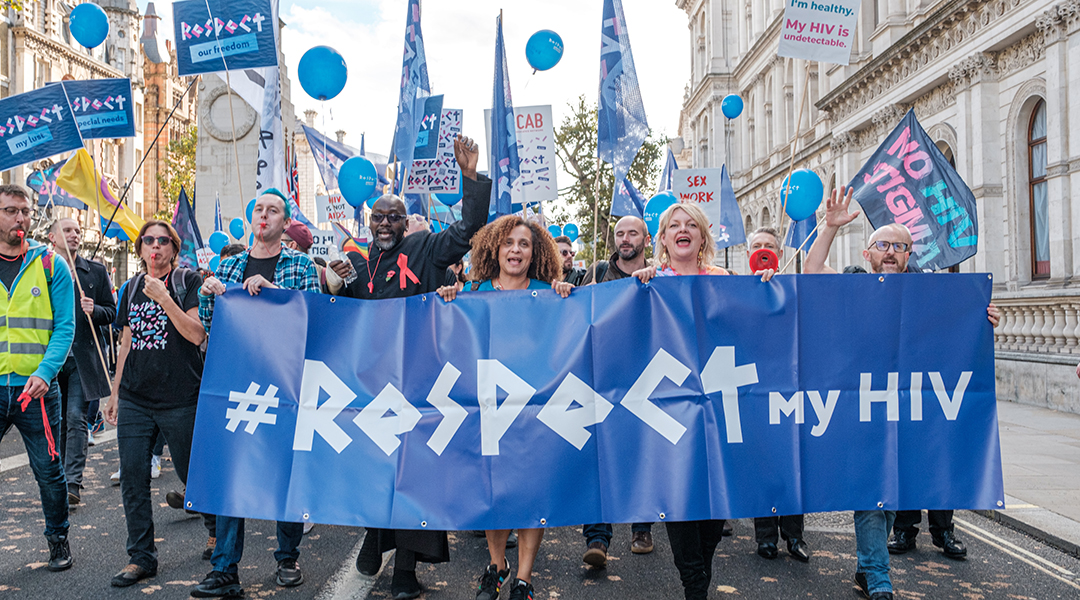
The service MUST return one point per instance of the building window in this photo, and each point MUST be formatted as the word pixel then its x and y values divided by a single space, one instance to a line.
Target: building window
pixel 1037 194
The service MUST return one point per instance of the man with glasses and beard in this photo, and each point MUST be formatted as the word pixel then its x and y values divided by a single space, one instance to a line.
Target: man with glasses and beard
pixel 571 275
pixel 397 267
pixel 631 237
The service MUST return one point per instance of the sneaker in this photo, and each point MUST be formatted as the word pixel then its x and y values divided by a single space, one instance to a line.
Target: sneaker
pixel 308 527
pixel 369 561
pixel 73 494
pixel 208 552
pixel 404 586
pixel 99 423
pixel 115 478
pixel 175 499
pixel 155 466
pixel 59 553
pixel 521 590
pixel 860 580
pixel 130 575
pixel 218 585
pixel 288 573
pixel 641 543
pixel 491 581
pixel 90 441
pixel 596 555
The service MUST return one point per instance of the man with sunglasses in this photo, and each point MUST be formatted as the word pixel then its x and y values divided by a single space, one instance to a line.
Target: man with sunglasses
pixel 571 275
pixel 888 251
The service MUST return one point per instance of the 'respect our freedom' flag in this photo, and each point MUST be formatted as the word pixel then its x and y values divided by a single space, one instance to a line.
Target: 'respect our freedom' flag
pixel 909 181
pixel 505 165
pixel 212 33
pixel 819 30
pixel 621 125
pixel 102 107
pixel 36 125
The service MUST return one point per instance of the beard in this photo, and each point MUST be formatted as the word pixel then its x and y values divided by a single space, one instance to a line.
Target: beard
pixel 385 245
pixel 11 238
pixel 631 253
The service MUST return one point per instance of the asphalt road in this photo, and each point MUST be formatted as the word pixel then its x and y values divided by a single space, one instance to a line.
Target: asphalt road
pixel 1002 563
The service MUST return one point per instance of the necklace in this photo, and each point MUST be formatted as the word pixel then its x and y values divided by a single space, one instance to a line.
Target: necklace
pixel 370 276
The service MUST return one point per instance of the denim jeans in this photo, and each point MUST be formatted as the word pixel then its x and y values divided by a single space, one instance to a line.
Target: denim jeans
pixel 137 429
pixel 872 547
pixel 230 543
pixel 47 470
pixel 940 521
pixel 693 544
pixel 601 532
pixel 73 433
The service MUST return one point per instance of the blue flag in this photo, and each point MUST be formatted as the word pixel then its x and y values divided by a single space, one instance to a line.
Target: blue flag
pixel 909 181
pixel 621 125
pixel 36 125
pixel 331 154
pixel 219 225
pixel 666 176
pixel 634 194
pixel 185 225
pixel 730 230
pixel 414 83
pixel 211 33
pixel 799 231
pixel 504 164
pixel 44 183
pixel 102 107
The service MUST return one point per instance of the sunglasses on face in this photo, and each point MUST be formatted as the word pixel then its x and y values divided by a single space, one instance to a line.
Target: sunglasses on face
pixel 162 240
pixel 566 252
pixel 898 247
pixel 379 218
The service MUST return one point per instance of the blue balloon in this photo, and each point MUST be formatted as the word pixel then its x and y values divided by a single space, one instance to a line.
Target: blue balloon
pixel 544 49
pixel 731 106
pixel 249 212
pixel 357 178
pixel 322 72
pixel 554 230
pixel 89 25
pixel 447 199
pixel 218 240
pixel 251 239
pixel 656 207
pixel 236 228
pixel 214 262
pixel 805 196
pixel 571 231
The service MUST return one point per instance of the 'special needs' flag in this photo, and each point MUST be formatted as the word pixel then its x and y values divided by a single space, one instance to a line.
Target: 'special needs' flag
pixel 505 166
pixel 414 83
pixel 79 178
pixel 184 223
pixel 909 181
pixel 621 125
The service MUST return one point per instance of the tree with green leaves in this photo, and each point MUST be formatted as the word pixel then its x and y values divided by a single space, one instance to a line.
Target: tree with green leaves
pixel 575 146
pixel 178 170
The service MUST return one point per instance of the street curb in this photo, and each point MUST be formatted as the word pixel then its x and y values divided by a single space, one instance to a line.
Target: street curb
pixel 1052 529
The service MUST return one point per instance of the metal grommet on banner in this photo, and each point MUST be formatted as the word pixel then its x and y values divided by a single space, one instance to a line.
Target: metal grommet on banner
pixel 662 516
pixel 882 278
pixel 332 299
pixel 989 275
pixel 1000 503
pixel 306 516
pixel 423 523
pixel 880 504
pixel 189 504
pixel 774 510
pixel 534 293
pixel 423 298
pixel 543 521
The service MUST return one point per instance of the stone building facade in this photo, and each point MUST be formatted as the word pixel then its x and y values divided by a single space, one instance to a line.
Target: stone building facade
pixel 994 82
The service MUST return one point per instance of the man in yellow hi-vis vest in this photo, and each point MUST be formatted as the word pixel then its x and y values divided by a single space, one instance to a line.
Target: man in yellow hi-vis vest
pixel 37 324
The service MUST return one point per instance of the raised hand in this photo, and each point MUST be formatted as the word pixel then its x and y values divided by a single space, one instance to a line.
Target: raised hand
pixel 836 208
pixel 467 154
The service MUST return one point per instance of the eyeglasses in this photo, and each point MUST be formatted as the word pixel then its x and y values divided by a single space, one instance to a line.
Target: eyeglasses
pixel 898 247
pixel 379 218
pixel 566 252
pixel 162 240
pixel 11 211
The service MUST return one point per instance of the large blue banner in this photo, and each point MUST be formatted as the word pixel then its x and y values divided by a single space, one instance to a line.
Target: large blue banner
pixel 102 107
pixel 689 398
pixel 36 125
pixel 240 33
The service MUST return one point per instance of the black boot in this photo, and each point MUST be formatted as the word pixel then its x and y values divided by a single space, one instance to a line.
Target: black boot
pixel 369 561
pixel 59 553
pixel 404 585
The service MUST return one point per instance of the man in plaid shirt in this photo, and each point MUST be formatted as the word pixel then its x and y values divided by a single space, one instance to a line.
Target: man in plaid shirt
pixel 267 264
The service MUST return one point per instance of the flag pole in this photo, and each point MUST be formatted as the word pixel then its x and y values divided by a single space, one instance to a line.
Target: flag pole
pixel 810 235
pixel 596 209
pixel 785 191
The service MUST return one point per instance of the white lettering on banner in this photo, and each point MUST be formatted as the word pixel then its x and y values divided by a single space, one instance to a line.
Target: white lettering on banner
pixel 571 424
pixel 916 396
pixel 637 401
pixel 951 407
pixel 251 407
pixel 495 420
pixel 824 411
pixel 312 418
pixel 384 430
pixel 868 396
pixel 452 412
pixel 796 405
pixel 778 405
pixel 721 375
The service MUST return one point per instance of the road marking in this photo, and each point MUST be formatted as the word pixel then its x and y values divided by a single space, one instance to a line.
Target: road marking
pixel 1017 552
pixel 347 583
pixel 21 460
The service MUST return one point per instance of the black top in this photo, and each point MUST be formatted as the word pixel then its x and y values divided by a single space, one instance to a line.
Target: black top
pixel 575 276
pixel 261 266
pixel 163 369
pixel 95 284
pixel 9 270
pixel 417 264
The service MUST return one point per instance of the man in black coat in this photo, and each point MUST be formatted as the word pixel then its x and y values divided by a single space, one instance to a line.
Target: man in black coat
pixel 397 267
pixel 82 379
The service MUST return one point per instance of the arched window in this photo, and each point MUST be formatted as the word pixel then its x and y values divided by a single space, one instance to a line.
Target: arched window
pixel 749 225
pixel 1037 194
pixel 766 219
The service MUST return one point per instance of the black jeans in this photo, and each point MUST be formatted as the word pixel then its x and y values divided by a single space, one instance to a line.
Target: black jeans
pixel 693 544
pixel 73 431
pixel 791 527
pixel 940 521
pixel 137 429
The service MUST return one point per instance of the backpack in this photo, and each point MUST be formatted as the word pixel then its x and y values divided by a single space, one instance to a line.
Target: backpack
pixel 600 271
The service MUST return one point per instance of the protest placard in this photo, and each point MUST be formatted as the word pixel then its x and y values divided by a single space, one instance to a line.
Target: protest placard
pixel 440 174
pixel 823 31
pixel 332 208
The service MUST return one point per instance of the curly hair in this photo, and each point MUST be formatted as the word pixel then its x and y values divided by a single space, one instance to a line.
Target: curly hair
pixel 707 252
pixel 545 265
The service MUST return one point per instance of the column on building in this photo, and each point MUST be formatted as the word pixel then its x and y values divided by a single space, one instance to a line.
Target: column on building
pixel 1071 71
pixel 1057 179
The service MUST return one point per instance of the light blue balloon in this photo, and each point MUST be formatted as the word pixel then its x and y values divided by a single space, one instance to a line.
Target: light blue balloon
pixel 89 25
pixel 357 178
pixel 236 228
pixel 251 239
pixel 218 240
pixel 656 207
pixel 571 231
pixel 249 212
pixel 731 106
pixel 322 72
pixel 214 262
pixel 806 194
pixel 554 230
pixel 447 199
pixel 544 49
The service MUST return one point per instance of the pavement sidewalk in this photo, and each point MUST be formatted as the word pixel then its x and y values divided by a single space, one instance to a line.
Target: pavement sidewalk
pixel 1040 459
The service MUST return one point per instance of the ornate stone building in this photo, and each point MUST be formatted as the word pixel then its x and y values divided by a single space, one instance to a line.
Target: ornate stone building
pixel 994 82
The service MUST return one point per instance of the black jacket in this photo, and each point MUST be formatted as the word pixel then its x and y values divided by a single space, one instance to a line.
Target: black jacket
pixel 95 284
pixel 417 264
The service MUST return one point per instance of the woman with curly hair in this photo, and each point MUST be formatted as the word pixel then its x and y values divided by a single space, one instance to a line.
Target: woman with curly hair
pixel 512 254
